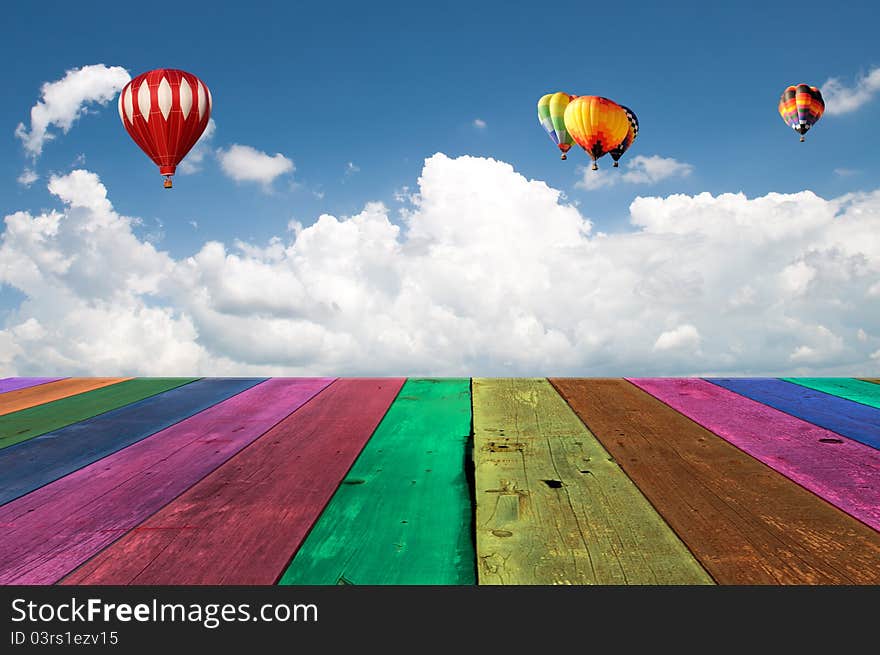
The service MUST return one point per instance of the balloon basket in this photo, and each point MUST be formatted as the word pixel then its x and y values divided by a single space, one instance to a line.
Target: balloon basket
pixel 595 166
pixel 564 157
pixel 167 183
pixel 615 165
pixel 802 139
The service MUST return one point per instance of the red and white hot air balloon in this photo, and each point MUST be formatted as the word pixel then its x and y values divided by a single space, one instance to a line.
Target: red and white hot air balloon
pixel 165 111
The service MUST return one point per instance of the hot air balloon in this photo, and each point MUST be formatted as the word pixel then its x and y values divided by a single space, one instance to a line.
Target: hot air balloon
pixel 631 134
pixel 165 112
pixel 800 107
pixel 598 125
pixel 551 112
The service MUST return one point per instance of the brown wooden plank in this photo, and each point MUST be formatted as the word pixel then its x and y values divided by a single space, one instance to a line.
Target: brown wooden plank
pixel 551 506
pixel 745 522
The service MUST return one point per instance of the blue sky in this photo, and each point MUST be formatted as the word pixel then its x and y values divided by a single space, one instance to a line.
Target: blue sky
pixel 358 95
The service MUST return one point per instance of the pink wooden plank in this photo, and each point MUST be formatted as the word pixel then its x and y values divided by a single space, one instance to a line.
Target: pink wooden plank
pixel 844 472
pixel 49 532
pixel 243 522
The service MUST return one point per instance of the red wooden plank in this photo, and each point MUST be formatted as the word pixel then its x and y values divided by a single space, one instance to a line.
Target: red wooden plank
pixel 243 522
pixel 49 532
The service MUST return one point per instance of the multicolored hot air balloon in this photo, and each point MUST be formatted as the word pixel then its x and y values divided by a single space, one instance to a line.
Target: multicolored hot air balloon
pixel 631 134
pixel 598 125
pixel 165 112
pixel 800 107
pixel 551 114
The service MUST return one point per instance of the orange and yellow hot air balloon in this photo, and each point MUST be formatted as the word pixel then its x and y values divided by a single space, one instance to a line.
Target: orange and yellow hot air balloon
pixel 800 107
pixel 597 124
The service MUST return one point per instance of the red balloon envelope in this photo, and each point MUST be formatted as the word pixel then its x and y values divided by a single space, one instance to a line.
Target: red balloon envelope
pixel 165 111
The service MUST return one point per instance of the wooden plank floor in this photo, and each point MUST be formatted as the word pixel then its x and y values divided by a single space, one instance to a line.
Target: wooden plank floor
pixel 844 472
pixel 15 401
pixel 38 461
pixel 393 481
pixel 851 419
pixel 94 506
pixel 745 522
pixel 859 391
pixel 552 507
pixel 403 513
pixel 13 384
pixel 32 422
pixel 243 522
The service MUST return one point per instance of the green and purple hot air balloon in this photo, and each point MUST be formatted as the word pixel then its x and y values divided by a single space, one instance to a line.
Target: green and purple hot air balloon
pixel 551 114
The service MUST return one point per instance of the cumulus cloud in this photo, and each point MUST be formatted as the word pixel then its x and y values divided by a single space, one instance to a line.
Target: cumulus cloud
pixel 487 273
pixel 842 99
pixel 63 101
pixel 479 123
pixel 640 169
pixel 247 164
pixel 196 158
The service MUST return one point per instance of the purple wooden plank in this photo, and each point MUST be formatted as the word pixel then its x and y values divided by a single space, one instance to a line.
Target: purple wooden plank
pixel 13 384
pixel 49 532
pixel 844 472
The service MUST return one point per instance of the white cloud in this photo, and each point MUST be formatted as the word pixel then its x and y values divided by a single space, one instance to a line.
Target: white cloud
pixel 28 176
pixel 247 164
pixel 684 337
pixel 195 159
pixel 479 123
pixel 488 273
pixel 640 169
pixel 845 172
pixel 63 101
pixel 842 99
pixel 351 168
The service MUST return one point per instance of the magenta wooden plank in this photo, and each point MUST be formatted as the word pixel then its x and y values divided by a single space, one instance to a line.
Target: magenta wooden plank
pixel 49 532
pixel 13 384
pixel 243 522
pixel 843 471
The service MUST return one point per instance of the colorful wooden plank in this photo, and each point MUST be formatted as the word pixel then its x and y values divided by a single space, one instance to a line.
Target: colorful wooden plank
pixel 403 513
pixel 856 390
pixel 51 531
pixel 34 421
pixel 15 401
pixel 242 523
pixel 839 415
pixel 844 472
pixel 38 461
pixel 13 384
pixel 745 522
pixel 552 507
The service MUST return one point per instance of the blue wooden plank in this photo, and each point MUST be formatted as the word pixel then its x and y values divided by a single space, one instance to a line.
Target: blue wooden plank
pixel 31 464
pixel 845 417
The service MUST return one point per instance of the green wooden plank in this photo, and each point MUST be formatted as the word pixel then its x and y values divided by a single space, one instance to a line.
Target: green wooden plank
pixel 402 515
pixel 553 507
pixel 34 421
pixel 866 393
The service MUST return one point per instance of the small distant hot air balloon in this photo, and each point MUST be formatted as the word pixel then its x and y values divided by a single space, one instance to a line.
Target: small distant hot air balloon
pixel 631 134
pixel 165 112
pixel 598 125
pixel 800 107
pixel 551 114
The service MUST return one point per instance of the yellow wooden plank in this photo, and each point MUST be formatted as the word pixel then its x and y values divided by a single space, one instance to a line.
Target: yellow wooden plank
pixel 552 507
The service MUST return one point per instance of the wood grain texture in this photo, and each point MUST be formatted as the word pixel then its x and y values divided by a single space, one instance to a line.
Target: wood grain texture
pixel 13 384
pixel 403 513
pixel 34 421
pixel 15 401
pixel 51 531
pixel 242 523
pixel 839 415
pixel 844 472
pixel 33 463
pixel 552 507
pixel 745 522
pixel 856 390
